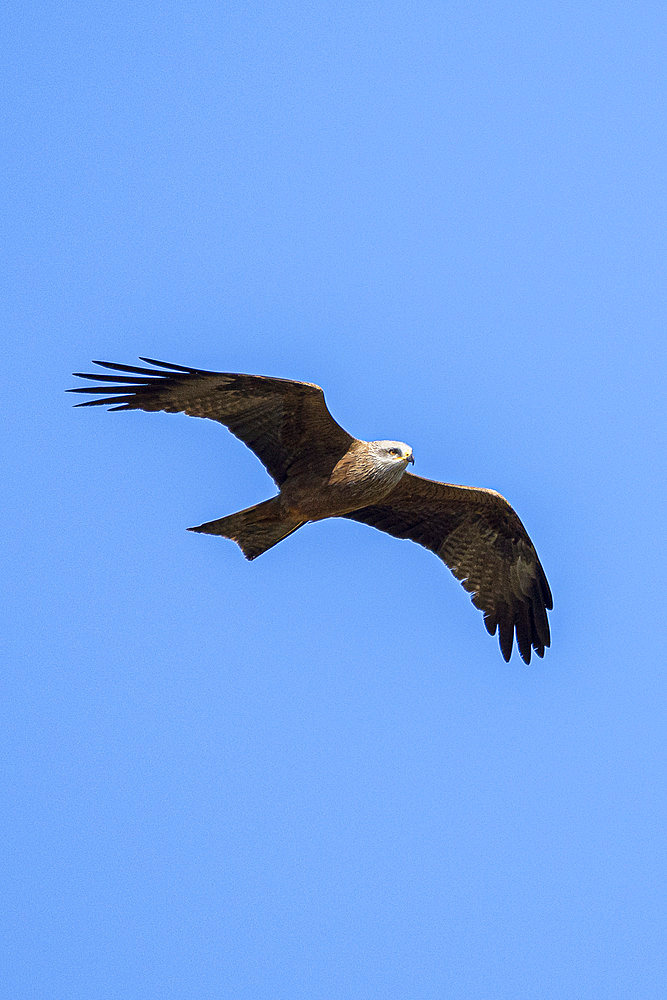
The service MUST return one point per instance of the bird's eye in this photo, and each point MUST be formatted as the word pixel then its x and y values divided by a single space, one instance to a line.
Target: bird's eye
pixel 394 451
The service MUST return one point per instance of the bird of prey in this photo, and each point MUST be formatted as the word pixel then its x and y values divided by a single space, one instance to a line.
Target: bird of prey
pixel 322 471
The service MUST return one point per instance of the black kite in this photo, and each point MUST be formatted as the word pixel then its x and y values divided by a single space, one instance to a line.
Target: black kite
pixel 321 471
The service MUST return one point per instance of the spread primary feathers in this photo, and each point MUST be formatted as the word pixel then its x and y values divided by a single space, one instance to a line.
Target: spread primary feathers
pixel 322 471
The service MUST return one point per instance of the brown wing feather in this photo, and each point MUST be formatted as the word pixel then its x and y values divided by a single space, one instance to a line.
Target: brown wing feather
pixel 286 424
pixel 480 537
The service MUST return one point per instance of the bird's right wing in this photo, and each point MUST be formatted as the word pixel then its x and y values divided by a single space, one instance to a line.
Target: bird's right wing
pixel 480 537
pixel 286 424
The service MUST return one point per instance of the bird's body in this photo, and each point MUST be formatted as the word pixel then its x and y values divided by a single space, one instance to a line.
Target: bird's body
pixel 365 474
pixel 322 471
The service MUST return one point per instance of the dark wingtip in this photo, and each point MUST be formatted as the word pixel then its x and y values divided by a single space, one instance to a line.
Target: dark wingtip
pixel 100 402
pixel 132 369
pixel 505 629
pixel 546 589
pixel 166 364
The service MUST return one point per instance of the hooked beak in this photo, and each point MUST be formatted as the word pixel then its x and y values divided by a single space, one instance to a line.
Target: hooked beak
pixel 411 460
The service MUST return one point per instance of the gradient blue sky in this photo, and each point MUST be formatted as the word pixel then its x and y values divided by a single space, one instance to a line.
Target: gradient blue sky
pixel 313 776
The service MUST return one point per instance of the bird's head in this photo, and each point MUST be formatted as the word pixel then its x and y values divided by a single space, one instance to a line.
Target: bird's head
pixel 393 453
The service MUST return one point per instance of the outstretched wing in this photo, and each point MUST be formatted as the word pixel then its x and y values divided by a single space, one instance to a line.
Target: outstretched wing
pixel 480 537
pixel 286 424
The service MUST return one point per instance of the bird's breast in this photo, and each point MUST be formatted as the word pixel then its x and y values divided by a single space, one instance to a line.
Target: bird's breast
pixel 347 488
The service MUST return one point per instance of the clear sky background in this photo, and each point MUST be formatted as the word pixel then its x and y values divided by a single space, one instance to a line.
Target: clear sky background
pixel 313 776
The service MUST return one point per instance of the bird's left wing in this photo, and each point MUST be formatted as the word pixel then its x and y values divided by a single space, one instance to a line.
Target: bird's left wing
pixel 287 424
pixel 480 537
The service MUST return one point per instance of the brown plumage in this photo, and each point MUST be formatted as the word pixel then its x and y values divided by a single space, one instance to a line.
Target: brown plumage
pixel 322 471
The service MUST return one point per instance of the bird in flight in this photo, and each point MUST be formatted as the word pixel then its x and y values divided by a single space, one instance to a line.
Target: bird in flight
pixel 322 471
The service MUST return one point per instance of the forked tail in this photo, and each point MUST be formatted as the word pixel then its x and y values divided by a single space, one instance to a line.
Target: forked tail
pixel 255 529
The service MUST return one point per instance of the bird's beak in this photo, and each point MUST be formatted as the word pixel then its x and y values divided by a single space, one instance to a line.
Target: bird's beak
pixel 411 459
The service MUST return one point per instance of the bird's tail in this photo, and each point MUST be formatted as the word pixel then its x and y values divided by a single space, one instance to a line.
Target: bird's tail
pixel 255 529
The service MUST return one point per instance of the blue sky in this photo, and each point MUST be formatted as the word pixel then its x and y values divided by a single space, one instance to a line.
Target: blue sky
pixel 314 775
